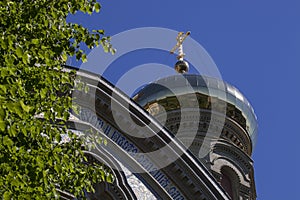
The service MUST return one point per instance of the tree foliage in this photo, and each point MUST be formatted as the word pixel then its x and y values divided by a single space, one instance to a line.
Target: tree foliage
pixel 35 40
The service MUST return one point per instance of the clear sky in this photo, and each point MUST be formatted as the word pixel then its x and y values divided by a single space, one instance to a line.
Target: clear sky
pixel 256 47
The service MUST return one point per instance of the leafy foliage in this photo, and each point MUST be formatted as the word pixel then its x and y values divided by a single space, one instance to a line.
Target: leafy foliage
pixel 35 40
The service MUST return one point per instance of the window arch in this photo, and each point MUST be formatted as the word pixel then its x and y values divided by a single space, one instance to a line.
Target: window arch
pixel 226 183
pixel 230 182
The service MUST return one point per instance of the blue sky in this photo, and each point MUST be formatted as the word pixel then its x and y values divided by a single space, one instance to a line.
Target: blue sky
pixel 256 46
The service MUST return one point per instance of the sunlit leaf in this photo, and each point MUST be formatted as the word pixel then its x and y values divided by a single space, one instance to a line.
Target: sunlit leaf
pixel 83 58
pixel 2 125
pixel 97 7
pixel 24 107
pixel 35 41
pixel 19 52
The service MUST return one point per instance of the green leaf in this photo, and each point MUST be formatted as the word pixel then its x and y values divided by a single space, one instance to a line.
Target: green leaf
pixel 109 178
pixel 105 48
pixel 19 52
pixel 24 107
pixel 57 168
pixel 10 106
pixel 35 41
pixel 2 125
pixel 100 31
pixel 7 195
pixel 2 113
pixel 64 57
pixel 25 58
pixel 7 141
pixel 83 58
pixel 13 130
pixel 97 7
pixel 58 137
pixel 43 93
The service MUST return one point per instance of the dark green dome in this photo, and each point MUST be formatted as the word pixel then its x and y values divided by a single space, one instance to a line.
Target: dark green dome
pixel 206 89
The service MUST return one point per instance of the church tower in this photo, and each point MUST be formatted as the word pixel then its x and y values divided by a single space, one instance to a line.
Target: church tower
pixel 212 119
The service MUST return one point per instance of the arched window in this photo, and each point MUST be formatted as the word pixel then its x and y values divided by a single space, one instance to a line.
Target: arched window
pixel 227 185
pixel 230 182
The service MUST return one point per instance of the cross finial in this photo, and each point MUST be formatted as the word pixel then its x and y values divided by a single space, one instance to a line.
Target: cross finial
pixel 181 66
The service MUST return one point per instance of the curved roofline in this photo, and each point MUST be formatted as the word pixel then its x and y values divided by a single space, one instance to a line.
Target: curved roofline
pixel 208 80
pixel 187 159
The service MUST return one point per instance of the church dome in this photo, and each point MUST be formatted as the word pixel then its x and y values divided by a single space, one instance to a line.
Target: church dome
pixel 208 90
